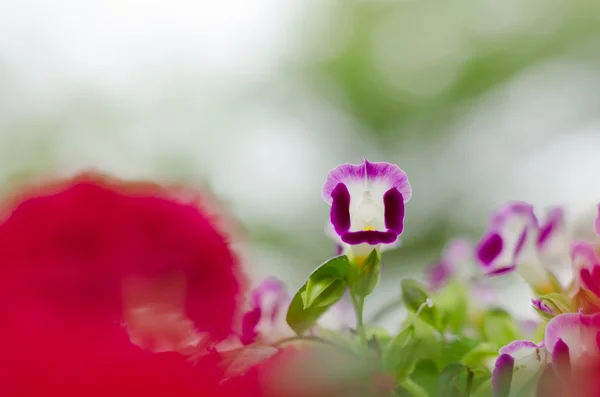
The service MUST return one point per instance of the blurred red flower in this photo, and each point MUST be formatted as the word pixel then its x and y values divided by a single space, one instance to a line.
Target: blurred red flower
pixel 98 249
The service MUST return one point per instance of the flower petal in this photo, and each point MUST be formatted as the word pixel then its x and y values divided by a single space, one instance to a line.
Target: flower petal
pixel 578 332
pixel 340 209
pixel 502 376
pixel 250 321
pixel 541 306
pixel 561 363
pixel 518 349
pixel 586 266
pixel 393 203
pixel 376 177
pixel 371 237
pixel 551 226
pixel 529 362
pixel 489 248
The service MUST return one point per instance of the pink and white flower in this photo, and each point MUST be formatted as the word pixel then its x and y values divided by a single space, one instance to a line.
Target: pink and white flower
pixel 573 341
pixel 520 363
pixel 367 204
pixel 518 241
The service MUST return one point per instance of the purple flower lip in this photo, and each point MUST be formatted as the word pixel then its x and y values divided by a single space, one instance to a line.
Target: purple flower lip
pixel 367 202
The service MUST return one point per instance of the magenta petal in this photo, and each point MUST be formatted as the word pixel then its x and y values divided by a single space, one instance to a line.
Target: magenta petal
pixel 588 281
pixel 385 175
pixel 340 209
pixel 393 203
pixel 550 226
pixel 489 248
pixel 541 306
pixel 510 211
pixel 371 237
pixel 501 270
pixel 517 345
pixel 502 376
pixel 561 363
pixel 249 322
pixel 520 244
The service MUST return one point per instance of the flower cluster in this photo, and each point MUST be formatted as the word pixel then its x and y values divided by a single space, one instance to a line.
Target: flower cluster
pixel 121 288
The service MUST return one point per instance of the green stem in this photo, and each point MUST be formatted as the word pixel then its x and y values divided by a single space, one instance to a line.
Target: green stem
pixel 469 382
pixel 358 303
pixel 310 338
pixel 413 389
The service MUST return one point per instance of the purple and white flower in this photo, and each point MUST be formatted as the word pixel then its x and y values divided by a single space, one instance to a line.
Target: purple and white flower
pixel 367 204
pixel 586 267
pixel 519 363
pixel 517 241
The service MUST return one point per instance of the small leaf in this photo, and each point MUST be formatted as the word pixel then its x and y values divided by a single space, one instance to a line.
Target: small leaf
pixel 479 354
pixel 558 303
pixel 327 286
pixel 426 374
pixel 452 381
pixel 406 361
pixel 415 298
pixel 453 351
pixel 484 390
pixel 392 355
pixel 364 278
pixel 301 319
pixel 499 327
pixel 323 292
pixel 453 303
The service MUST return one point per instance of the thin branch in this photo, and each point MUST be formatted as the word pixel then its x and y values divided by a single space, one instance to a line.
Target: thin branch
pixel 311 338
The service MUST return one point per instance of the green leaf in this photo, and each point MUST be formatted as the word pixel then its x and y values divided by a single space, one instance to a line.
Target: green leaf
pixel 484 390
pixel 324 287
pixel 558 303
pixel 364 278
pixel 301 319
pixel 406 361
pixel 453 351
pixel 479 354
pixel 323 292
pixel 393 354
pixel 325 283
pixel 499 327
pixel 452 381
pixel 413 389
pixel 453 304
pixel 415 297
pixel 426 374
